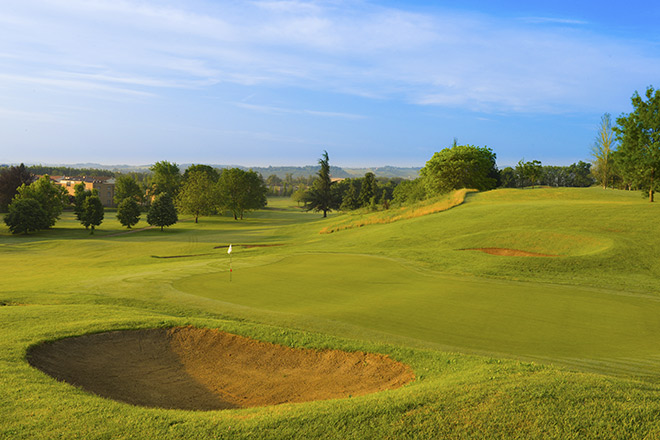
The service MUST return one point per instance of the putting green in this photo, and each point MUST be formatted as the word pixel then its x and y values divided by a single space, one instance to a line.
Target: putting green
pixel 589 328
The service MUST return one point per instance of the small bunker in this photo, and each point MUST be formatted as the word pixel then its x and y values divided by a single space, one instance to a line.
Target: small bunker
pixel 505 252
pixel 203 369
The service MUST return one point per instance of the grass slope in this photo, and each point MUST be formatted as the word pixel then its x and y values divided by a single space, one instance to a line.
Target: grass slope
pixel 401 288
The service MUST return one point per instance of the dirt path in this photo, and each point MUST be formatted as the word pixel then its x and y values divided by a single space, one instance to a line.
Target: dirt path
pixel 203 369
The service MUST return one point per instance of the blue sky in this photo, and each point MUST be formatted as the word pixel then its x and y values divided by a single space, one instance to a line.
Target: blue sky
pixel 276 82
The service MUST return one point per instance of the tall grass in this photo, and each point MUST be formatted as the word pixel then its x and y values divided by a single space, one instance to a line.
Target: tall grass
pixel 419 209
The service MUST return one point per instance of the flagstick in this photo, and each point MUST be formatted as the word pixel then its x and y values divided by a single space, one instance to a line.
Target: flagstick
pixel 229 252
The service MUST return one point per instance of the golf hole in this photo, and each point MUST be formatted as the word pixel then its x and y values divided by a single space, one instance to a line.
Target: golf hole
pixel 203 369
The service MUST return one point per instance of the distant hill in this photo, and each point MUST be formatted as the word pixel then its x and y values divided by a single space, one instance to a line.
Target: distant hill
pixel 387 171
pixel 279 171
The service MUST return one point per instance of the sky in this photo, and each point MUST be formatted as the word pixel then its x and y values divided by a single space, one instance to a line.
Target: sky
pixel 258 83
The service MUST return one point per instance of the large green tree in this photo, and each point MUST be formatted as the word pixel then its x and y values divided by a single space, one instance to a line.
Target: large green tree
pixel 80 194
pixel 461 166
pixel 638 134
pixel 26 215
pixel 162 211
pixel 128 212
pixel 320 197
pixel 602 151
pixel 11 178
pixel 51 196
pixel 199 194
pixel 166 178
pixel 92 212
pixel 242 191
pixel 127 187
pixel 212 173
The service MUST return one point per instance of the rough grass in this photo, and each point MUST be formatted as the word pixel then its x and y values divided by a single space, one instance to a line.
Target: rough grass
pixel 455 396
pixel 399 288
pixel 420 209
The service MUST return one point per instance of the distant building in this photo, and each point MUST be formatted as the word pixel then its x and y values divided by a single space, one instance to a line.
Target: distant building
pixel 104 185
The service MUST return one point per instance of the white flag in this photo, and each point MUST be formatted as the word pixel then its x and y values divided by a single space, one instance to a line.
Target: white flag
pixel 229 250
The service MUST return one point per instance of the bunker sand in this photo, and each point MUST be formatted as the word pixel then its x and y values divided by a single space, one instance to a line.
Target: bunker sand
pixel 504 252
pixel 204 369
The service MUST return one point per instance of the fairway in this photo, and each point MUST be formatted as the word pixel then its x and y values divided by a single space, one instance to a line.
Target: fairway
pixel 500 346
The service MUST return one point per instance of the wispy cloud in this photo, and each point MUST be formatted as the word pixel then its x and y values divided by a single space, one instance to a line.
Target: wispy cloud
pixel 441 58
pixel 553 20
pixel 281 110
pixel 56 82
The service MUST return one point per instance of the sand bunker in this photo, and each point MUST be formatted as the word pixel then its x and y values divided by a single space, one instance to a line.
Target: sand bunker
pixel 203 369
pixel 509 252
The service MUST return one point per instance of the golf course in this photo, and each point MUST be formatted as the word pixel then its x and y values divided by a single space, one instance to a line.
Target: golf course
pixel 511 313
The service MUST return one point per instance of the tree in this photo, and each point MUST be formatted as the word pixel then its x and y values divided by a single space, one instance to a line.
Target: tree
pixel 350 199
pixel 166 178
pixel 579 175
pixel 273 180
pixel 92 212
pixel 242 191
pixel 199 195
pixel 320 196
pixel 298 195
pixel 162 211
pixel 128 212
pixel 127 187
pixel 462 166
pixel 409 191
pixel 521 173
pixel 11 179
pixel 80 194
pixel 507 178
pixel 368 191
pixel 602 150
pixel 26 215
pixel 533 171
pixel 639 135
pixel 51 197
pixel 211 172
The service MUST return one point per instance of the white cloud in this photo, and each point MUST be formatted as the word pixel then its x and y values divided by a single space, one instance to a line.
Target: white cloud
pixel 551 20
pixel 441 58
pixel 281 110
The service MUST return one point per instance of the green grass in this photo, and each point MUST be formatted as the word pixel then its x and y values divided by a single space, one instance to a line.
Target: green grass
pixel 502 347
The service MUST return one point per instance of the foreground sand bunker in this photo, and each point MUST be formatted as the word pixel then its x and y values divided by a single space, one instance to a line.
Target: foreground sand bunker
pixel 203 369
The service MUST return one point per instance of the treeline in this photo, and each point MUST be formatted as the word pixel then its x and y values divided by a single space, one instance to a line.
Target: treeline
pixel 461 166
pixel 532 173
pixel 40 170
pixel 287 186
pixel 627 155
pixel 200 190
